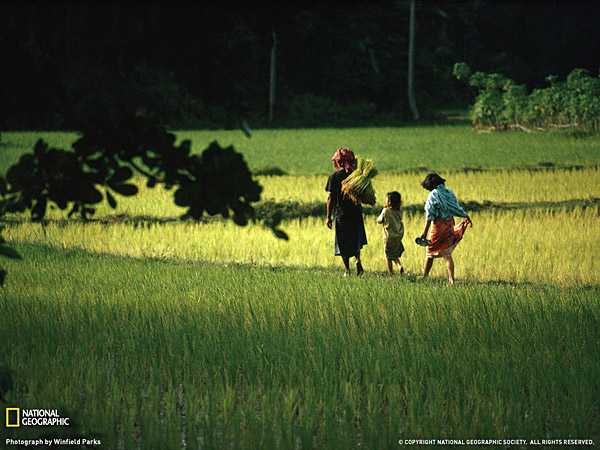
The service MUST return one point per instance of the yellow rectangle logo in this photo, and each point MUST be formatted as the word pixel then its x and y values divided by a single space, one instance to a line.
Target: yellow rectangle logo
pixel 15 423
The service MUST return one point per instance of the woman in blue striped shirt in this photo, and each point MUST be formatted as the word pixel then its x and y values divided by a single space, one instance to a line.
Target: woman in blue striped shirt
pixel 440 208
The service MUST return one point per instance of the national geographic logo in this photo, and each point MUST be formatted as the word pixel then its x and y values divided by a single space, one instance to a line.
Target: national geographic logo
pixel 17 417
pixel 13 417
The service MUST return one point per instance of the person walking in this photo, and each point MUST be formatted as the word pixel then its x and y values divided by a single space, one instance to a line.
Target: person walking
pixel 442 234
pixel 393 230
pixel 350 234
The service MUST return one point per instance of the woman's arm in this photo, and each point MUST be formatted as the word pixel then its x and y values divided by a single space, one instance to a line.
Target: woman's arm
pixel 427 225
pixel 381 216
pixel 457 210
pixel 329 221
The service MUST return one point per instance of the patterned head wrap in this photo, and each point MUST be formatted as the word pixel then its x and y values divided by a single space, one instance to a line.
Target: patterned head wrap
pixel 343 158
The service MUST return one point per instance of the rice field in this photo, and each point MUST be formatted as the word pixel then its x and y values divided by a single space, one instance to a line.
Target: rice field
pixel 168 334
pixel 540 246
pixel 173 355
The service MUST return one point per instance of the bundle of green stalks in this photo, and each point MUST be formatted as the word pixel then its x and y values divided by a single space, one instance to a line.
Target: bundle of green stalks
pixel 357 186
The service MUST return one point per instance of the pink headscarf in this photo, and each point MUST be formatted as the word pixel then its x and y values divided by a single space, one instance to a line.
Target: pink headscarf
pixel 344 158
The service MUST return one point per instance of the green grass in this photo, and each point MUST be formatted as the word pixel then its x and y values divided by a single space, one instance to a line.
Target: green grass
pixel 307 151
pixel 280 358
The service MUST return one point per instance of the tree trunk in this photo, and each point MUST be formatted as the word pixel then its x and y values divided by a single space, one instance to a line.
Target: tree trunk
pixel 272 78
pixel 411 63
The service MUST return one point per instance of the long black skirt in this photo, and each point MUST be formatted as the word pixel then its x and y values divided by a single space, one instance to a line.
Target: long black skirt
pixel 350 236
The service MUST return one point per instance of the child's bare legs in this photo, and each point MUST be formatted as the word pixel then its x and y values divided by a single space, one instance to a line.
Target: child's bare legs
pixel 399 264
pixel 427 267
pixel 450 264
pixel 390 266
pixel 400 268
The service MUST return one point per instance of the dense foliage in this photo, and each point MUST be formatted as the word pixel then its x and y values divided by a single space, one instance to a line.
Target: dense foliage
pixel 203 64
pixel 501 103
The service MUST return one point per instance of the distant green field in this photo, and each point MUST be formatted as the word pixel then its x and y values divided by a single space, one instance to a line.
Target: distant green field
pixel 307 151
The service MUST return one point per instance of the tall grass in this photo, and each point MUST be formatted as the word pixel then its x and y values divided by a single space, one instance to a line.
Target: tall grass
pixel 284 358
pixel 541 246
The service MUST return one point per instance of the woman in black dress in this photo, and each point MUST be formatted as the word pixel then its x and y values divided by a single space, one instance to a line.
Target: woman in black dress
pixel 350 233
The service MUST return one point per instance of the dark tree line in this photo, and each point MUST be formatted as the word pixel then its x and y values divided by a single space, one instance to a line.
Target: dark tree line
pixel 206 64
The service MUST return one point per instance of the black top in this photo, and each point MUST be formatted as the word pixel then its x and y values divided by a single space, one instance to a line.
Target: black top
pixel 343 207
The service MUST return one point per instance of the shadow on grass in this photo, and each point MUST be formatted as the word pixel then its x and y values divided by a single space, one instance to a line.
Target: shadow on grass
pixel 301 210
pixel 409 278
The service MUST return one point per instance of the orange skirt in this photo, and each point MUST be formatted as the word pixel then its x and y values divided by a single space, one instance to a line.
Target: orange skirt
pixel 444 237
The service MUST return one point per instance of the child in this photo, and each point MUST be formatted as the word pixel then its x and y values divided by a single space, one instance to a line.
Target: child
pixel 393 230
pixel 440 208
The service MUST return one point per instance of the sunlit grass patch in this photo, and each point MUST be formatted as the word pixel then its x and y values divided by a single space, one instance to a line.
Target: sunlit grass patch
pixel 547 246
pixel 494 186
